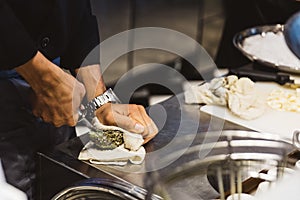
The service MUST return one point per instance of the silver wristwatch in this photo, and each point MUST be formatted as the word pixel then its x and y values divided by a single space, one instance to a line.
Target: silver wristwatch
pixel 107 97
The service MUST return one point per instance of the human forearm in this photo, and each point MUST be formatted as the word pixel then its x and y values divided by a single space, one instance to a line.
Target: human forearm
pixel 91 77
pixel 57 95
pixel 128 116
pixel 40 73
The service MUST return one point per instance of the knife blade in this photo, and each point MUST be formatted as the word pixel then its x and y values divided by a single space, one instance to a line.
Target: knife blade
pixel 281 78
pixel 82 112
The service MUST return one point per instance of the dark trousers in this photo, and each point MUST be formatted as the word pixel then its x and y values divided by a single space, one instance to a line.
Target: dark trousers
pixel 22 135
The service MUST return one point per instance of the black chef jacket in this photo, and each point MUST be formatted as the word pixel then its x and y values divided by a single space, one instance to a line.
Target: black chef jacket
pixel 57 28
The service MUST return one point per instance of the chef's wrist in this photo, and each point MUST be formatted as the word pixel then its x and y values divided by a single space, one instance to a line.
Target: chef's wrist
pixel 91 77
pixel 99 101
pixel 40 73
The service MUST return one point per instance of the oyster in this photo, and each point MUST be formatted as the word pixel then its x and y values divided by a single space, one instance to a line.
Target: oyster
pixel 107 139
pixel 110 137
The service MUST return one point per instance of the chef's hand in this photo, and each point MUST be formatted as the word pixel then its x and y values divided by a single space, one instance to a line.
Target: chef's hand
pixel 58 104
pixel 128 116
pixel 57 95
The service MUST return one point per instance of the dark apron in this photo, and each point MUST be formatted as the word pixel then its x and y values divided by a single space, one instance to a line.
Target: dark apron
pixel 22 134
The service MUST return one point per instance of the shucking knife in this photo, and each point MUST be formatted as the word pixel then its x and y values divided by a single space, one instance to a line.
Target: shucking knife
pixel 283 79
pixel 82 112
pixel 86 112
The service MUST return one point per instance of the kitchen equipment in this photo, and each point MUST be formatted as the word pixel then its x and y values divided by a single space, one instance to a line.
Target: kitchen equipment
pixel 255 75
pixel 272 121
pixel 240 38
pixel 223 162
pixel 103 189
pixel 84 112
pixel 292 33
pixel 82 119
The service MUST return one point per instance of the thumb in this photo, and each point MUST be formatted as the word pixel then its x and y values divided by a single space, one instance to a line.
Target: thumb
pixel 129 124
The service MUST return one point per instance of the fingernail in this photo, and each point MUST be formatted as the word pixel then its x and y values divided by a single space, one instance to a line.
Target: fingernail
pixel 139 128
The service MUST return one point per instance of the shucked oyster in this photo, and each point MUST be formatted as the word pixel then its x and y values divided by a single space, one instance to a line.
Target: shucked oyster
pixel 107 139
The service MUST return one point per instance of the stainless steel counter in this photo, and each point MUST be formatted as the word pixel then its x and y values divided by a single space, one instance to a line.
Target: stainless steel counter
pixel 174 118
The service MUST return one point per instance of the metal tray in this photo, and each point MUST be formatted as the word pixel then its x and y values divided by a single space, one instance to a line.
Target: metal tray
pixel 239 38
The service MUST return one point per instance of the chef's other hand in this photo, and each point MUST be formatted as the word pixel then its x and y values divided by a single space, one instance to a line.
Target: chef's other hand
pixel 57 94
pixel 128 116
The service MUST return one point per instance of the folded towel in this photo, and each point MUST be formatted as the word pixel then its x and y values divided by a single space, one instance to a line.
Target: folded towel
pixel 238 94
pixel 132 149
pixel 117 156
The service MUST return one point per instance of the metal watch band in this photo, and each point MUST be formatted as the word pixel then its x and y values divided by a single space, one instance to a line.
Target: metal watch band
pixel 107 97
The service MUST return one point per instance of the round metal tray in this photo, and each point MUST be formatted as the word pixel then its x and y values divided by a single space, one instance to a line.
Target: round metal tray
pixel 239 38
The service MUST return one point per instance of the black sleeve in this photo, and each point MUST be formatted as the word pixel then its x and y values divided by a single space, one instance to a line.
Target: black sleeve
pixel 81 50
pixel 16 45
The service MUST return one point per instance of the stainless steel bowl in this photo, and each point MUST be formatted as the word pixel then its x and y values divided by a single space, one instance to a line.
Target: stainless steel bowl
pixel 103 189
pixel 218 163
pixel 240 37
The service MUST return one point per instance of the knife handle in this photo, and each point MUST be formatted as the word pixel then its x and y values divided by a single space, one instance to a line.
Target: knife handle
pixel 256 75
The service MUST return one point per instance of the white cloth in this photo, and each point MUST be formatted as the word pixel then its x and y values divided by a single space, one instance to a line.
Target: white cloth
pixel 117 156
pixel 239 95
pixel 134 151
pixel 132 141
pixel 7 191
